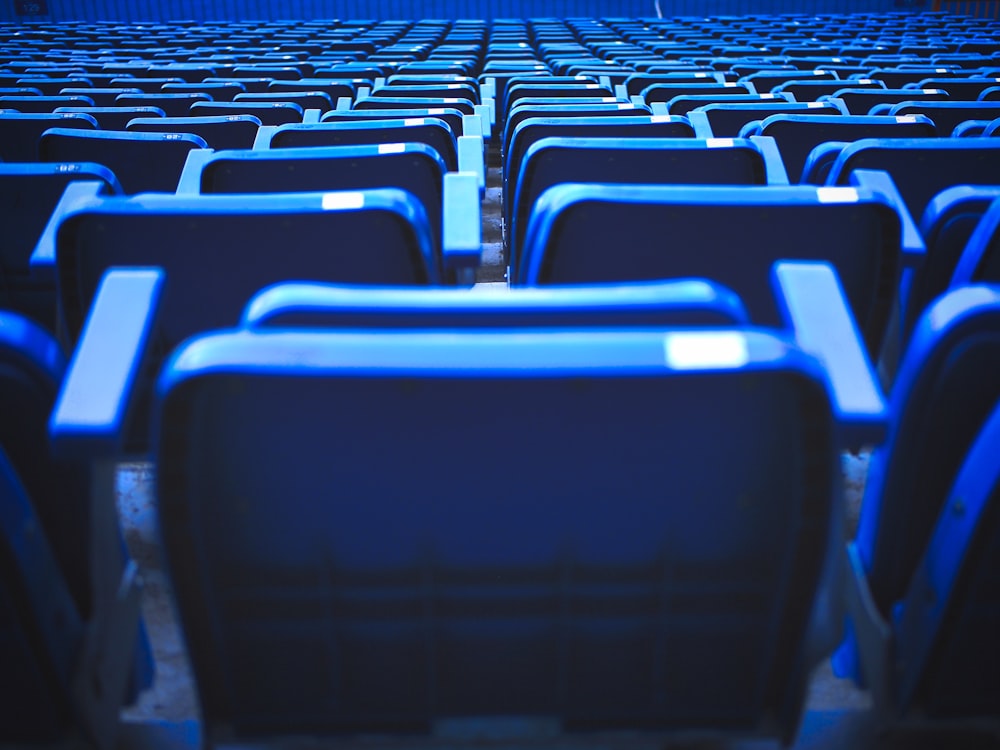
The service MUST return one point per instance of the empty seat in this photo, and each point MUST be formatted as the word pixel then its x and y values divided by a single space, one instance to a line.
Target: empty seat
pixel 948 115
pixel 588 233
pixel 797 135
pixel 113 118
pixel 947 388
pixel 43 104
pixel 635 160
pixel 141 161
pixel 28 195
pixel 628 657
pixel 860 101
pixel 173 105
pixel 725 120
pixel 219 132
pixel 269 113
pixel 19 133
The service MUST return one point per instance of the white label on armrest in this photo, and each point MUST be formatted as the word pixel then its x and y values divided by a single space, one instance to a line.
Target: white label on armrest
pixel 391 148
pixel 336 201
pixel 768 96
pixel 815 105
pixel 906 118
pixel 660 118
pixel 837 195
pixel 690 350
pixel 719 142
pixel 413 121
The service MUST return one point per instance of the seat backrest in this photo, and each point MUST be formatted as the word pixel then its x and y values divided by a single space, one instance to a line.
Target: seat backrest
pixel 636 160
pixel 141 161
pixel 860 101
pixel 589 233
pixel 219 131
pixel 535 128
pixel 545 593
pixel 946 226
pixel 269 113
pixel 414 167
pixel 634 305
pixel 980 259
pixel 948 665
pixel 28 195
pixel 726 120
pixel 113 118
pixel 946 385
pixel 431 131
pixel 797 135
pixel 19 132
pixel 222 249
pixel 921 167
pixel 948 115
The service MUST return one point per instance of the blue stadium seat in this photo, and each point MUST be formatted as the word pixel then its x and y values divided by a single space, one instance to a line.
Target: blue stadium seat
pixel 656 304
pixel 947 387
pixel 19 133
pixel 920 167
pixel 113 118
pixel 948 115
pixel 141 161
pixel 725 120
pixel 860 101
pixel 218 132
pixel 413 167
pixel 980 260
pixel 797 135
pixel 635 160
pixel 29 194
pixel 587 233
pixel 269 113
pixel 466 596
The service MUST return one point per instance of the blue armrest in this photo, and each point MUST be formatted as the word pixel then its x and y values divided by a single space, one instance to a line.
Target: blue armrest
pixel 773 165
pixel 264 135
pixel 190 180
pixel 93 405
pixel 471 158
pixel 344 103
pixel 43 257
pixel 813 306
pixel 912 244
pixel 483 110
pixel 702 127
pixel 462 231
pixel 311 115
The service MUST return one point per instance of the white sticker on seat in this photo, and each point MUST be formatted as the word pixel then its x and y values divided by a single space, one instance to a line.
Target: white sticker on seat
pixel 731 85
pixel 815 105
pixel 906 118
pixel 608 99
pixel 436 111
pixel 931 91
pixel 660 118
pixel 625 106
pixel 719 142
pixel 339 201
pixel 701 75
pixel 691 350
pixel 768 96
pixel 837 195
pixel 391 148
pixel 413 121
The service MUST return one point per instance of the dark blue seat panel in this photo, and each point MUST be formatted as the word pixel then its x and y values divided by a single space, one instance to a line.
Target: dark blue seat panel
pixel 142 162
pixel 586 233
pixel 860 101
pixel 536 128
pixel 28 195
pixel 633 305
pixel 923 167
pixel 635 160
pixel 269 113
pixel 980 260
pixel 19 133
pixel 542 594
pixel 219 131
pixel 413 167
pixel 430 130
pixel 797 135
pixel 947 224
pixel 726 120
pixel 221 249
pixel 113 118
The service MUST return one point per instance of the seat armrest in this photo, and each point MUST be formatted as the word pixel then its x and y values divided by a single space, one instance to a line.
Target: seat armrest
pixel 621 92
pixel 43 257
pixel 93 406
pixel 262 141
pixel 190 181
pixel 813 307
pixel 344 103
pixel 483 110
pixel 872 635
pixel 837 102
pixel 462 233
pixel 702 127
pixel 774 167
pixel 491 103
pixel 471 158
pixel 911 243
pixel 311 116
pixel 472 125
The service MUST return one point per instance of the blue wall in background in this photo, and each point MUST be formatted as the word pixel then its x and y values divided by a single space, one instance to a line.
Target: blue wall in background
pixel 221 10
